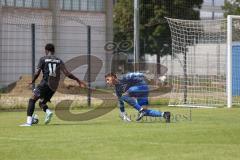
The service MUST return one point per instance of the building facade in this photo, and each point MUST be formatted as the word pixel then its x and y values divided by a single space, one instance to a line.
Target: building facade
pixel 212 9
pixel 62 22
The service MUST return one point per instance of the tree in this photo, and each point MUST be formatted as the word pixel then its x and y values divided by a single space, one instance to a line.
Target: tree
pixel 155 37
pixel 231 7
pixel 123 20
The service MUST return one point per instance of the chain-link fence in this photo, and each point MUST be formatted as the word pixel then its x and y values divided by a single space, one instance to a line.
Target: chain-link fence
pixel 92 37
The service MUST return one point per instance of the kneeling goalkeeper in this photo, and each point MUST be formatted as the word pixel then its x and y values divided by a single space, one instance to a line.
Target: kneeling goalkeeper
pixel 133 89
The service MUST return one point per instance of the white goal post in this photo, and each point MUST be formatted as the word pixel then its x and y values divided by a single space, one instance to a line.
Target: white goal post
pixel 206 62
pixel 229 57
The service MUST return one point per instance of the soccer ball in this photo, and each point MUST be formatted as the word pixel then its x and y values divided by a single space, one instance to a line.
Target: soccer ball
pixel 35 119
pixel 162 78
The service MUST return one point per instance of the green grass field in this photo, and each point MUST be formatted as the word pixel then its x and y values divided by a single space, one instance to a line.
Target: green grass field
pixel 211 134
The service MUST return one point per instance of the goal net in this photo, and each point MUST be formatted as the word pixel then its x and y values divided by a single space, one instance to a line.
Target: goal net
pixel 205 60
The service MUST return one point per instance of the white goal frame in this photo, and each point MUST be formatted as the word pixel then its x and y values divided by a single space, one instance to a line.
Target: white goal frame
pixel 229 58
pixel 207 79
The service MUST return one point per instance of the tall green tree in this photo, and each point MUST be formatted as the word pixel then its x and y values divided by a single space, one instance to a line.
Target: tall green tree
pixel 155 35
pixel 123 20
pixel 231 7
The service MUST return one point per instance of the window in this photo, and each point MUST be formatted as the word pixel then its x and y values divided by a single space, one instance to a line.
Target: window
pixel 36 3
pixel 26 3
pixel 91 5
pixel 75 5
pixel 3 2
pixel 10 2
pixel 44 3
pixel 19 3
pixel 84 5
pixel 67 4
pixel 61 4
pixel 100 5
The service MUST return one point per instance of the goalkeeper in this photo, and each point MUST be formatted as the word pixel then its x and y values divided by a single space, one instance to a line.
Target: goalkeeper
pixel 133 89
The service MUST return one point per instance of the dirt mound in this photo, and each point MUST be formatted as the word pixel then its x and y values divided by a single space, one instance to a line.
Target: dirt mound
pixel 22 86
pixel 18 93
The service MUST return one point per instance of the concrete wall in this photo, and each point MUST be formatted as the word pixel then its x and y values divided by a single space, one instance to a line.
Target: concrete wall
pixel 202 59
pixel 71 40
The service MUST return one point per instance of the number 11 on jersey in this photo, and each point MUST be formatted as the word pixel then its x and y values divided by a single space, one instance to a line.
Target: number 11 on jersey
pixel 52 69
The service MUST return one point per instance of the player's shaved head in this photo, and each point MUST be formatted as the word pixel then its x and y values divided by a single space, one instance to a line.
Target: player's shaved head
pixel 50 47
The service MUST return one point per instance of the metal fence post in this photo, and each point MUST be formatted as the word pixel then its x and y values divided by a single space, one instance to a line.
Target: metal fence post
pixel 89 63
pixel 33 52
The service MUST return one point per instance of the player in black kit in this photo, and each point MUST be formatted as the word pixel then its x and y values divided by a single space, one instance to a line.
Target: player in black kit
pixel 50 65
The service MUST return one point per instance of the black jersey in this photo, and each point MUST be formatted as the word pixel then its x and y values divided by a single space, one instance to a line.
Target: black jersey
pixel 51 67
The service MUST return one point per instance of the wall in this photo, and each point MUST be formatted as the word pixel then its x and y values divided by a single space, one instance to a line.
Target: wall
pixel 71 34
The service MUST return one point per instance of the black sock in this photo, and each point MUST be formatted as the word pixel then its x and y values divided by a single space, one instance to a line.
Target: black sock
pixel 43 106
pixel 31 107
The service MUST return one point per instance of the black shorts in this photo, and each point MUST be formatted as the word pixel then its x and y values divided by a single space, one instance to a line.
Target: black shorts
pixel 43 92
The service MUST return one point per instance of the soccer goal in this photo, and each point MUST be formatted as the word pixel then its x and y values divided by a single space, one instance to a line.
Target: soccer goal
pixel 206 62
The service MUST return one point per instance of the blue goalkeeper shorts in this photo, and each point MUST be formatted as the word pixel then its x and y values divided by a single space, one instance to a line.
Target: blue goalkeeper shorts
pixel 139 92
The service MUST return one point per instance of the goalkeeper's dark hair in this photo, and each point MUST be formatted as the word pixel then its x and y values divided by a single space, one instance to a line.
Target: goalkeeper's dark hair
pixel 111 75
pixel 50 47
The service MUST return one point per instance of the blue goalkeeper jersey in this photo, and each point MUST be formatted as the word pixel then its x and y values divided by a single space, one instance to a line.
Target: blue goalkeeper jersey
pixel 129 80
